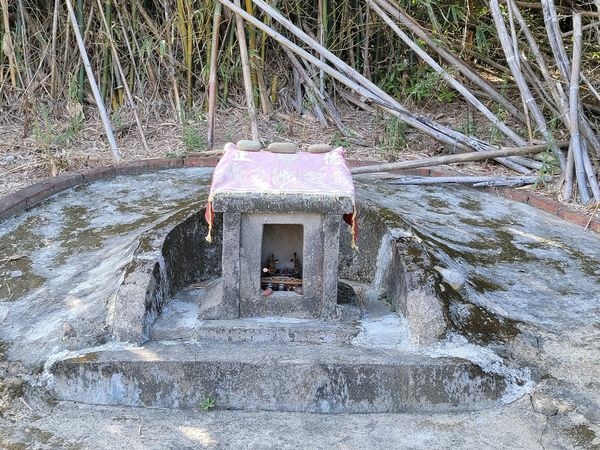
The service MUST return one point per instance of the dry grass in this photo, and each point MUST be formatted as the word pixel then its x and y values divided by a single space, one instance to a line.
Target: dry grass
pixel 52 147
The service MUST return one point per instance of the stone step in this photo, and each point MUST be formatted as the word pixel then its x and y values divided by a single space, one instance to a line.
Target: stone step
pixel 260 330
pixel 274 377
pixel 179 321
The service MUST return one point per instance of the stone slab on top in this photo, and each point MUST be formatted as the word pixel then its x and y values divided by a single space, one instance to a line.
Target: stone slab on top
pixel 276 203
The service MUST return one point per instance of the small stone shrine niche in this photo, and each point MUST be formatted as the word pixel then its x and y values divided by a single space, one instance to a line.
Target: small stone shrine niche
pixel 282 251
pixel 282 214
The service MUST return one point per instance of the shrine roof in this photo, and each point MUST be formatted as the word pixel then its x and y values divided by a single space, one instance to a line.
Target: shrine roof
pixel 266 181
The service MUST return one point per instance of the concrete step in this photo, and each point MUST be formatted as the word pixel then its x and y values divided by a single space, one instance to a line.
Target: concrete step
pixel 179 321
pixel 274 377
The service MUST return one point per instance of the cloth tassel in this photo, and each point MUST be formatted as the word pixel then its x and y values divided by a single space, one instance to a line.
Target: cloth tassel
pixel 350 219
pixel 209 215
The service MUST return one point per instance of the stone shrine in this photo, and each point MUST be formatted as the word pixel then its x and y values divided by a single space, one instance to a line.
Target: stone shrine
pixel 282 214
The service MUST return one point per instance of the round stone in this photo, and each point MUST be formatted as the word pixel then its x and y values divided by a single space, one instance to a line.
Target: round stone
pixel 249 146
pixel 319 148
pixel 282 147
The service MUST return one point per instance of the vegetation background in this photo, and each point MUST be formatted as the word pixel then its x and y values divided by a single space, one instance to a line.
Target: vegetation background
pixel 160 51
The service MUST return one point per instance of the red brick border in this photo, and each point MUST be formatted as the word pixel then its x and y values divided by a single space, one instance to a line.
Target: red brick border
pixel 14 203
pixel 31 195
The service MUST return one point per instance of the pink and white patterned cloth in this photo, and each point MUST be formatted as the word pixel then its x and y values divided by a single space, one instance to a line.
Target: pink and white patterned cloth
pixel 262 172
pixel 277 173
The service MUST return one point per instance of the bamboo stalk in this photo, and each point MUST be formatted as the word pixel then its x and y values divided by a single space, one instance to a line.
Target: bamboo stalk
pixel 93 84
pixel 590 172
pixel 322 30
pixel 311 90
pixel 366 43
pixel 580 174
pixel 560 99
pixel 169 46
pixel 53 83
pixel 347 75
pixel 106 82
pixel 322 98
pixel 568 175
pixel 81 69
pixel 511 59
pixel 535 49
pixel 370 91
pixel 447 77
pixel 25 41
pixel 188 50
pixel 124 81
pixel 129 48
pixel 462 67
pixel 449 159
pixel 246 73
pixel 252 54
pixel 185 24
pixel 482 181
pixel 513 34
pixel 8 44
pixel 212 81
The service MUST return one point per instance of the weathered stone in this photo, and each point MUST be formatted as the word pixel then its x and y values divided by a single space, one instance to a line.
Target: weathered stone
pixel 412 292
pixel 312 303
pixel 68 331
pixel 287 377
pixel 38 192
pixel 331 251
pixel 249 146
pixel 95 174
pixel 282 147
pixel 398 267
pixel 160 268
pixel 66 180
pixel 282 203
pixel 231 261
pixel 177 326
pixel 550 398
pixel 454 278
pixel 319 148
pixel 164 163
pixel 132 167
pixel 12 204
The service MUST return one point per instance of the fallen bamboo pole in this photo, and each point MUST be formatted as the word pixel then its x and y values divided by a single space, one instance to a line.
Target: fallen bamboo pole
pixel 456 62
pixel 450 159
pixel 518 140
pixel 484 181
pixel 458 146
pixel 92 80
pixel 355 81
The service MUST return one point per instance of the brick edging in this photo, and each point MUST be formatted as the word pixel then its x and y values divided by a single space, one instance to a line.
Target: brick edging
pixel 537 201
pixel 31 195
pixel 18 201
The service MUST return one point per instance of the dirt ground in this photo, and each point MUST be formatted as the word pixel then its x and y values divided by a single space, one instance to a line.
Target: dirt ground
pixel 36 147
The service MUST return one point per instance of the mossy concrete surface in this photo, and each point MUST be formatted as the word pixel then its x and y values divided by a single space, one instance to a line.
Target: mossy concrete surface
pixel 529 303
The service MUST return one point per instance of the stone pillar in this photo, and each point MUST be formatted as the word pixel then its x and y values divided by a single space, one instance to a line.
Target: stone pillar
pixel 331 247
pixel 231 265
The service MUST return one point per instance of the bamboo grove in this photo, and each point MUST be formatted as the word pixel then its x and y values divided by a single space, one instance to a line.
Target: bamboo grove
pixel 527 68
